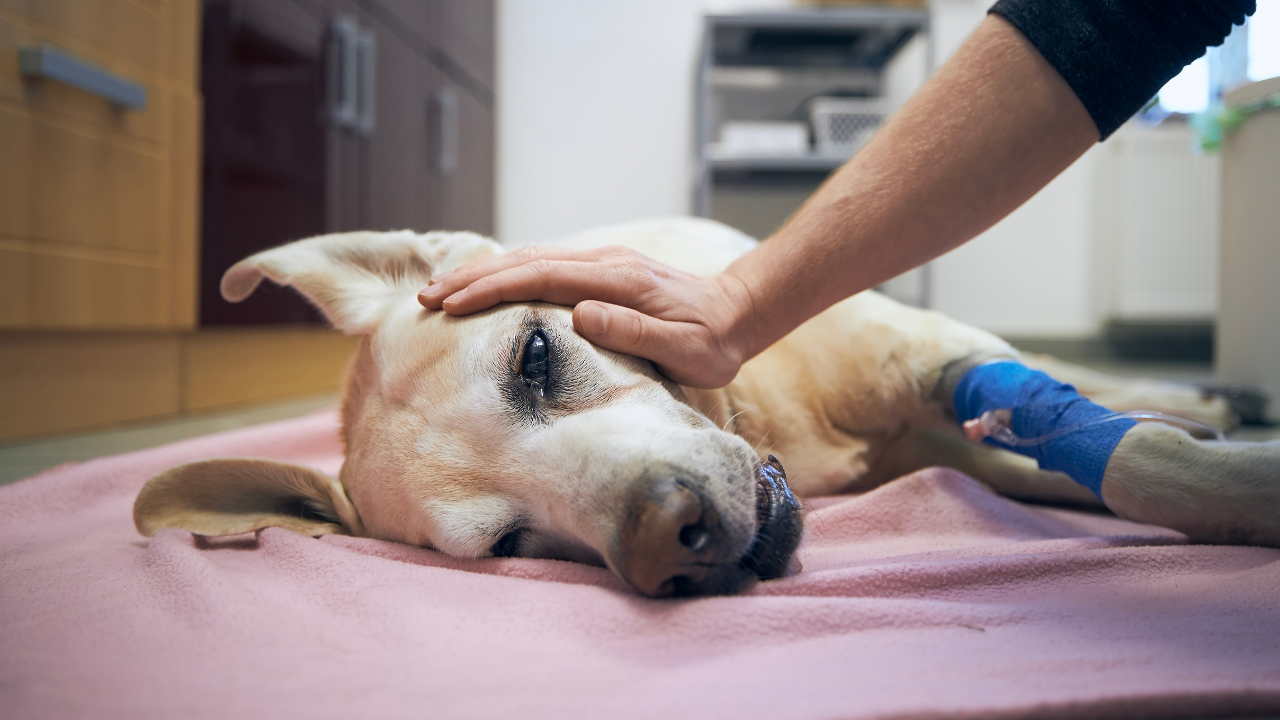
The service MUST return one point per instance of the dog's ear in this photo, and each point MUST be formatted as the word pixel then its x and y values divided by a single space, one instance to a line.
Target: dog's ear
pixel 352 277
pixel 237 495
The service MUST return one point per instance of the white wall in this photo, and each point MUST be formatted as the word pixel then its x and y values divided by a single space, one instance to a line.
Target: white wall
pixel 1030 274
pixel 595 113
pixel 596 110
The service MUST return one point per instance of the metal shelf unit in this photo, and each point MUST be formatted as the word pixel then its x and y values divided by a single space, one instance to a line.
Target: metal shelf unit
pixel 767 67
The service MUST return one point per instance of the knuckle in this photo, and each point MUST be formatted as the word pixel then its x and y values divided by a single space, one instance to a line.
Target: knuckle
pixel 638 275
pixel 635 330
pixel 484 285
pixel 624 256
pixel 541 269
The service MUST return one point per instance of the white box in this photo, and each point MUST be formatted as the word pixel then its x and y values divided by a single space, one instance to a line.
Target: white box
pixel 755 139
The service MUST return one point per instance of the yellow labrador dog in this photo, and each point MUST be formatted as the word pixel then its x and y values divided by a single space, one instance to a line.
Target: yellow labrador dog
pixel 507 434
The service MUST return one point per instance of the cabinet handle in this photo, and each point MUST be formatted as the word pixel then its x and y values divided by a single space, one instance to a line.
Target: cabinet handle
pixel 446 102
pixel 50 63
pixel 367 60
pixel 343 71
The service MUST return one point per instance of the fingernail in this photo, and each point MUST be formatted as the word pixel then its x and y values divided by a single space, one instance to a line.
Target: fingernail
pixel 439 278
pixel 593 318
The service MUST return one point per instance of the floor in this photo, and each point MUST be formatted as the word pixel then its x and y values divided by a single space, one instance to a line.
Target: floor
pixel 21 460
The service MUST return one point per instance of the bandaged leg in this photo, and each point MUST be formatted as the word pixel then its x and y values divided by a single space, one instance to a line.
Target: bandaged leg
pixel 1222 492
pixel 1040 406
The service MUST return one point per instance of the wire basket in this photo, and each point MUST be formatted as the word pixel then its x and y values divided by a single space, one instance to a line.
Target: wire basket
pixel 843 125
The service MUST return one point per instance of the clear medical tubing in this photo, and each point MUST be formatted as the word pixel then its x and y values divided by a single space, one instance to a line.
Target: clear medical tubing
pixel 998 430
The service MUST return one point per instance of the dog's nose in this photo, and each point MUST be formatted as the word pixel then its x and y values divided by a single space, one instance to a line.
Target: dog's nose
pixel 669 541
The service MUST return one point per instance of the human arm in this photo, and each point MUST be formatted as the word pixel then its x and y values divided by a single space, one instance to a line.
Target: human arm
pixel 990 128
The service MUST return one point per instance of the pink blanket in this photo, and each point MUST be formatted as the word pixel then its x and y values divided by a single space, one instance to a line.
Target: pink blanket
pixel 929 597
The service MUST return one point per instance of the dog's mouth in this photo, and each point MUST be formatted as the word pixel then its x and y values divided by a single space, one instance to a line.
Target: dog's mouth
pixel 779 524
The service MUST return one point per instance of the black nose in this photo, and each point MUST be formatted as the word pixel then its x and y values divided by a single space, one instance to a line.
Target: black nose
pixel 672 543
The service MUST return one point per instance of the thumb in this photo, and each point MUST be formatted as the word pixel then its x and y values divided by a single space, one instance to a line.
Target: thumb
pixel 618 328
pixel 624 330
pixel 679 349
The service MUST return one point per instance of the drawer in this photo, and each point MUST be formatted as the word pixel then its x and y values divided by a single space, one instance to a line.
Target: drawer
pixel 132 30
pixel 53 291
pixel 99 204
pixel 69 184
pixel 59 99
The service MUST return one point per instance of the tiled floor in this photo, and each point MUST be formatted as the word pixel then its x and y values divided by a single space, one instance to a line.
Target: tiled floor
pixel 19 461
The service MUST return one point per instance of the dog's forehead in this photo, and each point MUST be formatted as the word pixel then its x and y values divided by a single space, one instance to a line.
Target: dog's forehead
pixel 420 348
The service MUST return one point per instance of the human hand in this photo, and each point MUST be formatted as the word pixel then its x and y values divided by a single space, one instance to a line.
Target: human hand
pixel 695 329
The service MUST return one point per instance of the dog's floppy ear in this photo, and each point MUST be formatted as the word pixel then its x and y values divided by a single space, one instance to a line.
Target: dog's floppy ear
pixel 238 495
pixel 352 277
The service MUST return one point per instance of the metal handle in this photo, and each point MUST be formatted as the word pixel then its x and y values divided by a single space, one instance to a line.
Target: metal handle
pixel 50 63
pixel 367 61
pixel 446 102
pixel 344 71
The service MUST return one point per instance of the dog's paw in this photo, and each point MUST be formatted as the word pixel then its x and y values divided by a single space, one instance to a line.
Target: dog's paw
pixel 1218 492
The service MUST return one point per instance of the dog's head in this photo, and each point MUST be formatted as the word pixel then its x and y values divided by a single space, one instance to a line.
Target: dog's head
pixel 503 433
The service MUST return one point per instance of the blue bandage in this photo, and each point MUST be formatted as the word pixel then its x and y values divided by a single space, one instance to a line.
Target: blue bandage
pixel 1042 405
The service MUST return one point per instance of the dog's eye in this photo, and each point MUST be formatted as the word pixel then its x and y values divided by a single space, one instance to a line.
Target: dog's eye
pixel 507 545
pixel 534 366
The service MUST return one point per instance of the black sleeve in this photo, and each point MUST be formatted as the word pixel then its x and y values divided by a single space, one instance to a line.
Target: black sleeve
pixel 1117 54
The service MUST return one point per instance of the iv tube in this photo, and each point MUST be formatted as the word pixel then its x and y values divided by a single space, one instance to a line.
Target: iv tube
pixel 994 424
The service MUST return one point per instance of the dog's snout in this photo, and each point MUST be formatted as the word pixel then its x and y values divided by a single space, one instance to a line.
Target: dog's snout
pixel 671 542
pixel 666 533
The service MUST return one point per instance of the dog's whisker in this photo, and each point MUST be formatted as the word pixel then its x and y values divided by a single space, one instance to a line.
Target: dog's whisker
pixel 729 422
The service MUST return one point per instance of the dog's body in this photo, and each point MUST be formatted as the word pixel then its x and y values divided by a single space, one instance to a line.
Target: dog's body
pixel 505 433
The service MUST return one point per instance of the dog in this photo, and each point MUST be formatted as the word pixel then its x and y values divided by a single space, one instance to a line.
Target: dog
pixel 506 434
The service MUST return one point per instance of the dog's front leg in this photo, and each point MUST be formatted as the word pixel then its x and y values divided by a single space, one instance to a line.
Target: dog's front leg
pixel 1010 475
pixel 1212 491
pixel 1219 492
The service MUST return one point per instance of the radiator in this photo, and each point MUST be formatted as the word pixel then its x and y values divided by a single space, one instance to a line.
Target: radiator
pixel 1159 240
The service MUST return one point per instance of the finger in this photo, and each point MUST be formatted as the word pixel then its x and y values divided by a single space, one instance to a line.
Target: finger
pixel 446 284
pixel 561 282
pixel 681 350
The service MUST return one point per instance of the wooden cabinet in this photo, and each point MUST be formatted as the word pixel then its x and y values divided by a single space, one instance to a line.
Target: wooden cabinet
pixel 116 225
pixel 415 151
pixel 98 203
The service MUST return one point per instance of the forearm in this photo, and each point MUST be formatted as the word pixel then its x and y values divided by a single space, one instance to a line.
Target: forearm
pixel 984 134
